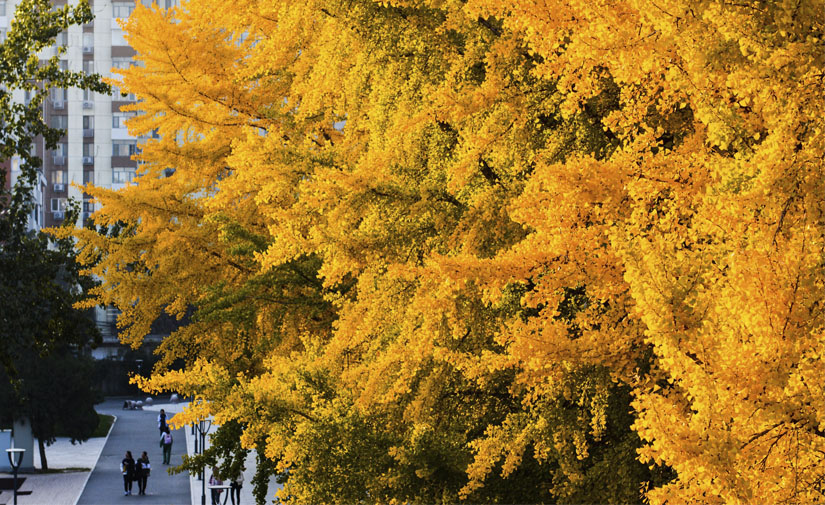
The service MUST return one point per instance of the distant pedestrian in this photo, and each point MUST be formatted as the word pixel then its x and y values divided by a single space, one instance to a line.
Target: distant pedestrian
pixel 166 445
pixel 235 489
pixel 143 469
pixel 162 421
pixel 127 469
pixel 215 481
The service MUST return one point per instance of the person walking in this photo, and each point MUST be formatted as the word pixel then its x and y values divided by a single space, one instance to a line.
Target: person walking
pixel 162 421
pixel 236 485
pixel 166 445
pixel 215 481
pixel 127 469
pixel 143 469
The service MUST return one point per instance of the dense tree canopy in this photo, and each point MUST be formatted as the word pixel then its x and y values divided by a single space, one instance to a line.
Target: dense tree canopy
pixel 486 251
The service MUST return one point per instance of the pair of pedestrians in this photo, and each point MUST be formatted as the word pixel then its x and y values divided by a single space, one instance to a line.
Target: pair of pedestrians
pixel 139 470
pixel 165 437
pixel 135 471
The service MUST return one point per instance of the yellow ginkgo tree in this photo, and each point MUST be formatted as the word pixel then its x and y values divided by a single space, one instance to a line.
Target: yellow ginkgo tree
pixel 538 251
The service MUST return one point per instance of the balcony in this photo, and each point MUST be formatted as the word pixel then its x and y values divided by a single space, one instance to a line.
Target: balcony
pixel 88 49
pixel 58 215
pixel 59 160
pixel 88 132
pixel 58 104
pixel 88 160
pixel 58 187
pixel 88 104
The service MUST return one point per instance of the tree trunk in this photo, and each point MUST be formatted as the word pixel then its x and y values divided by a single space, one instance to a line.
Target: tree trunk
pixel 44 465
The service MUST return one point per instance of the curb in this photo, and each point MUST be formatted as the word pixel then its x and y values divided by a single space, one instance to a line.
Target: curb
pixel 111 427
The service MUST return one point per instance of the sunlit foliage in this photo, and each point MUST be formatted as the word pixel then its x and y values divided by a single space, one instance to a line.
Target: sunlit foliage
pixel 525 251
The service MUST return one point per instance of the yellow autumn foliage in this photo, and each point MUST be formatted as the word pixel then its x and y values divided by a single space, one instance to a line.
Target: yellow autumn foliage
pixel 545 250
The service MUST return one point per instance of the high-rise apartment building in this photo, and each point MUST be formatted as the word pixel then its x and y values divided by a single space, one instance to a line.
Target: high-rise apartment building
pixel 97 147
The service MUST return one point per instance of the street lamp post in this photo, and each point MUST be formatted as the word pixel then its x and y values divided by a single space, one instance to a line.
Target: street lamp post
pixel 16 459
pixel 203 427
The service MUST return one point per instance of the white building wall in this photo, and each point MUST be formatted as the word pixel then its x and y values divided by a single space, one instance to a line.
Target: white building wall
pixel 103 103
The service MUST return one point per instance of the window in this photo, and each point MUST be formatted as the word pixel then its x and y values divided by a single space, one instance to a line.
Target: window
pixel 58 94
pixel 60 177
pixel 88 205
pixel 122 175
pixel 122 9
pixel 62 39
pixel 88 122
pixel 2 7
pixel 62 149
pixel 58 204
pixel 117 37
pixel 88 177
pixel 119 119
pixel 123 147
pixel 88 67
pixel 88 39
pixel 117 95
pixel 60 122
pixel 88 149
pixel 122 62
pixel 88 95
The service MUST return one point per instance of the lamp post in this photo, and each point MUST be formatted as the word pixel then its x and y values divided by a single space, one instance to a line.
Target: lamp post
pixel 203 427
pixel 15 460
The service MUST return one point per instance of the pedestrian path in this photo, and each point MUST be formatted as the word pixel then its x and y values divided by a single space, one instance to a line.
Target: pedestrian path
pixel 136 431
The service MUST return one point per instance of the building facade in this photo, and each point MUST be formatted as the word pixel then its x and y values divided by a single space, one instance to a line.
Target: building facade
pixel 97 147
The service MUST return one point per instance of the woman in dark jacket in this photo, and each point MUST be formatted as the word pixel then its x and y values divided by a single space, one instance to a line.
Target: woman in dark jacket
pixel 142 468
pixel 127 469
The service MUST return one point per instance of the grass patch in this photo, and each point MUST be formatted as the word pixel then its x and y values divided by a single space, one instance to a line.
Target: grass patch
pixel 104 422
pixel 62 470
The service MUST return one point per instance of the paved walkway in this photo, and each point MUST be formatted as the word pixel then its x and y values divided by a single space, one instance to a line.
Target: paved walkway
pixel 135 430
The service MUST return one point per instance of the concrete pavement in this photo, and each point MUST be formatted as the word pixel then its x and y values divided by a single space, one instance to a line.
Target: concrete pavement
pixel 135 430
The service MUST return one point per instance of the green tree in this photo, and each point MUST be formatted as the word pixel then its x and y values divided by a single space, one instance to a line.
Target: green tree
pixel 40 330
pixel 55 393
pixel 39 281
